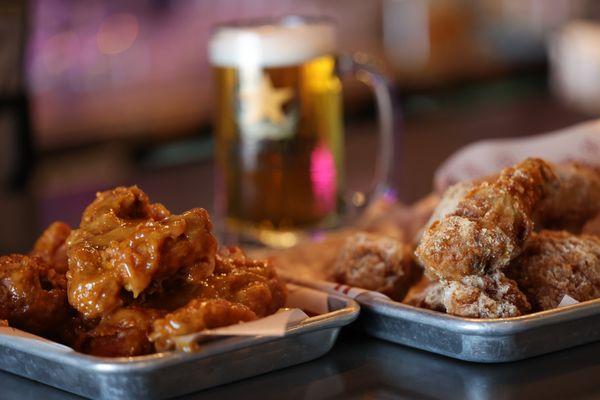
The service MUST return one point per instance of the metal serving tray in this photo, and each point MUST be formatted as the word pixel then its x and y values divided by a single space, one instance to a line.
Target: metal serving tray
pixel 481 340
pixel 470 339
pixel 171 374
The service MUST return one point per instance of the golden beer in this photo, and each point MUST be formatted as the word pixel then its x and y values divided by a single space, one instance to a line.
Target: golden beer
pixel 279 141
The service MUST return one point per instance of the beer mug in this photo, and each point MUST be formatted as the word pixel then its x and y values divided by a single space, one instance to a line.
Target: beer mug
pixel 279 128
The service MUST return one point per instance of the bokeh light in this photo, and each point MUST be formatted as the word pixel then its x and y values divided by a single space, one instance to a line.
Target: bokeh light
pixel 117 33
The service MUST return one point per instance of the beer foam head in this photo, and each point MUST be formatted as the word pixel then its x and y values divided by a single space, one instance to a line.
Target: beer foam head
pixel 289 41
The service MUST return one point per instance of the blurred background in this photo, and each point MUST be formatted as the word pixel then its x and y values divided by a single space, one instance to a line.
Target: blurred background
pixel 99 93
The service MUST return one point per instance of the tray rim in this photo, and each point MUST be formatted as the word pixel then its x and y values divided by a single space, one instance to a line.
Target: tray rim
pixel 380 304
pixel 479 326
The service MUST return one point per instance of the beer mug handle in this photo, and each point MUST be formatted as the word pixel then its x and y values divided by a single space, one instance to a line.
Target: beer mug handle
pixel 362 68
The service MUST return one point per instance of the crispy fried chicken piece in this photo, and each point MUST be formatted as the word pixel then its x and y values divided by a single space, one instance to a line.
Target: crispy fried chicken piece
pixel 123 333
pixel 558 263
pixel 449 202
pixel 126 247
pixel 376 262
pixel 241 289
pixel 432 297
pixel 51 246
pixel 489 296
pixel 490 224
pixel 32 295
pixel 419 291
pixel 575 202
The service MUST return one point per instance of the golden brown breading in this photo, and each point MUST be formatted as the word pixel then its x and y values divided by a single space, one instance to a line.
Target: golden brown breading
pixel 376 262
pixel 575 201
pixel 448 203
pixel 51 246
pixel 241 289
pixel 125 243
pixel 554 264
pixel 32 295
pixel 489 225
pixel 418 292
pixel 489 296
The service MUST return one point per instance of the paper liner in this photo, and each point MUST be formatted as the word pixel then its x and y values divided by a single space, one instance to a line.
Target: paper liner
pixel 17 333
pixel 567 301
pixel 579 143
pixel 334 288
pixel 275 325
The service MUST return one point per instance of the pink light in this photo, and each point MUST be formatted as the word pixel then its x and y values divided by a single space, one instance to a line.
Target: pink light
pixel 323 177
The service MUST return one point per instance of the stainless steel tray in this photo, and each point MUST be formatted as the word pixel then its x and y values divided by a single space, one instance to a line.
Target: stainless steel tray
pixel 172 374
pixel 481 340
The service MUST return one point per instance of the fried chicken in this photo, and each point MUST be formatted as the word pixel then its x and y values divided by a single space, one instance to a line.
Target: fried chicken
pixel 558 263
pixel 196 316
pixel 123 333
pixel 470 243
pixel 448 203
pixel 241 289
pixel 376 262
pixel 51 246
pixel 489 225
pixel 125 244
pixel 419 291
pixel 131 277
pixel 576 201
pixel 489 296
pixel 32 295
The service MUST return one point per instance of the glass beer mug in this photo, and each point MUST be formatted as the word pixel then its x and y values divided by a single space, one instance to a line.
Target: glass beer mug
pixel 279 128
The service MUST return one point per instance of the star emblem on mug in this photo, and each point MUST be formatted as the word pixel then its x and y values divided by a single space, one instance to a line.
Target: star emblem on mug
pixel 264 101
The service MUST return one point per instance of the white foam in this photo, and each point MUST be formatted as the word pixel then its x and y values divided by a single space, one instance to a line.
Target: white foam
pixel 277 45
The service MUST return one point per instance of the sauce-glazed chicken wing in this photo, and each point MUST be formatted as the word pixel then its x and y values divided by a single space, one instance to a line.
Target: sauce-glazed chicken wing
pixel 52 246
pixel 126 246
pixel 131 278
pixel 123 333
pixel 241 289
pixel 32 295
pixel 198 315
